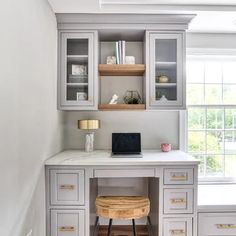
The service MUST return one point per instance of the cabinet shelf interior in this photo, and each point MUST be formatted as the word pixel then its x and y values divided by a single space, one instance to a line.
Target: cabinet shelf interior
pixel 77 58
pixel 77 84
pixel 166 85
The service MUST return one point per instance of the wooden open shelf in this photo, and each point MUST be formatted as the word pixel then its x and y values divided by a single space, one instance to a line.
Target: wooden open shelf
pixel 121 69
pixel 110 107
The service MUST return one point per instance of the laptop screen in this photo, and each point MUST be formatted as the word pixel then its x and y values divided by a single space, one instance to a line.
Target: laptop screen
pixel 126 143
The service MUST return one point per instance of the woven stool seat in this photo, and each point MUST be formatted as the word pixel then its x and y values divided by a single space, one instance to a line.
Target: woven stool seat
pixel 122 207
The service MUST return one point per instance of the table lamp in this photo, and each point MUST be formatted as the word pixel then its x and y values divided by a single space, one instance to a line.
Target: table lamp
pixel 89 125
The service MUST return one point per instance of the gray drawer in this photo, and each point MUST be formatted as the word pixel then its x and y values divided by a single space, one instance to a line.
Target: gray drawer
pixel 178 176
pixel 223 224
pixel 67 222
pixel 177 227
pixel 178 201
pixel 67 187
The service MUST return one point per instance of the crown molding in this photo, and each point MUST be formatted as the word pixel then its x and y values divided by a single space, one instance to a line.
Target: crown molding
pixel 114 20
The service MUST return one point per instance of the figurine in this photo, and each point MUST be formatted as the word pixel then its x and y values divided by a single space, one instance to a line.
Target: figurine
pixel 111 60
pixel 114 99
pixel 163 98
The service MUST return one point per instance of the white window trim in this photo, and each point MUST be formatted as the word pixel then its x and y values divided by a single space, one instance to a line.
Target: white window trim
pixel 183 131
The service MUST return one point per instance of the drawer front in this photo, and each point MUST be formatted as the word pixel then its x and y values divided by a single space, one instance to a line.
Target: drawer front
pixel 116 173
pixel 178 176
pixel 177 227
pixel 67 222
pixel 67 187
pixel 178 201
pixel 223 224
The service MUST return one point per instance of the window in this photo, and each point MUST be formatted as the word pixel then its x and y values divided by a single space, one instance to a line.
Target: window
pixel 211 102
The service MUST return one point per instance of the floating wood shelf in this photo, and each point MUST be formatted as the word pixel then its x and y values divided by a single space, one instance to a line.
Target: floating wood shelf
pixel 110 107
pixel 121 69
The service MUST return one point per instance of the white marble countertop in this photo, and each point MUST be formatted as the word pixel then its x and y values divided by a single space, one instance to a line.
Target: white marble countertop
pixel 103 158
pixel 216 197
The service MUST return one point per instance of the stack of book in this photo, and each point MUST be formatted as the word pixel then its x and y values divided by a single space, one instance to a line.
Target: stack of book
pixel 120 52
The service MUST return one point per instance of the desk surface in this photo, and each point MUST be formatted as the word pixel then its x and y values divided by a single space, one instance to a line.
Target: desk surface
pixel 103 158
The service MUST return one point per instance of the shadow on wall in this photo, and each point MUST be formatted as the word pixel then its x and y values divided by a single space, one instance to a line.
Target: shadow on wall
pixel 35 215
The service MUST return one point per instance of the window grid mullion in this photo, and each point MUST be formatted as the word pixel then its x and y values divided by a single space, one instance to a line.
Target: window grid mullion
pixel 204 99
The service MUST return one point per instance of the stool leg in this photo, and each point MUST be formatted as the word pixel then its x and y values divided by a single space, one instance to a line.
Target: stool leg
pixel 109 228
pixel 95 232
pixel 150 232
pixel 134 228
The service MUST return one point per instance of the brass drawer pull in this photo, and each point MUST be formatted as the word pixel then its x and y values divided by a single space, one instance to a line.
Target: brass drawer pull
pixel 177 232
pixel 67 187
pixel 179 177
pixel 178 200
pixel 226 226
pixel 67 228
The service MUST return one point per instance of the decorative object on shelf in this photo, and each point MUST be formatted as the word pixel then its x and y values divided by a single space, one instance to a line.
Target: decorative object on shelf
pixel 111 60
pixel 162 79
pixel 132 97
pixel 89 139
pixel 114 99
pixel 166 147
pixel 129 60
pixel 79 69
pixel 163 98
pixel 81 96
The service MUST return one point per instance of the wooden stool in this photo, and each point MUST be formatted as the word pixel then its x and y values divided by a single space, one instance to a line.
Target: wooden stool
pixel 122 208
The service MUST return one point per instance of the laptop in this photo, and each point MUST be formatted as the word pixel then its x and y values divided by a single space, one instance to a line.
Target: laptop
pixel 126 145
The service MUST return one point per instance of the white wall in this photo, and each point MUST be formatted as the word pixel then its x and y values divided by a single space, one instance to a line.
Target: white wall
pixel 155 127
pixel 30 125
pixel 214 40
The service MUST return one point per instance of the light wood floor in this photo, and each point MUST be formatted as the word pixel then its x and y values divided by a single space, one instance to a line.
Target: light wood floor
pixel 123 230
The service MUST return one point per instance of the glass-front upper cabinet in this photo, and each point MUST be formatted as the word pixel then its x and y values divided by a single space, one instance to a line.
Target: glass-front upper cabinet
pixel 77 71
pixel 166 74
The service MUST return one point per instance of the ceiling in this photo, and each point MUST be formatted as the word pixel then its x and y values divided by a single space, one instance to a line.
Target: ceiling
pixel 212 15
pixel 179 2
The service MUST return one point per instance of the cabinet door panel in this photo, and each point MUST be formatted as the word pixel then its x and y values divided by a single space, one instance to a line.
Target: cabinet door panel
pixel 166 74
pixel 67 222
pixel 77 70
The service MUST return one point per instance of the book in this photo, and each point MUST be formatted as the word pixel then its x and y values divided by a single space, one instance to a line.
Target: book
pixel 123 52
pixel 117 53
pixel 120 52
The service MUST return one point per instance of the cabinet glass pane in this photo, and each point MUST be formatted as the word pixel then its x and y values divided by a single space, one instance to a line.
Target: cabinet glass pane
pixel 77 70
pixel 166 69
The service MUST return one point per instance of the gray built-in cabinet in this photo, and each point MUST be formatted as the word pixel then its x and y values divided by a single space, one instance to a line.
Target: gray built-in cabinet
pixel 165 53
pixel 77 70
pixel 156 41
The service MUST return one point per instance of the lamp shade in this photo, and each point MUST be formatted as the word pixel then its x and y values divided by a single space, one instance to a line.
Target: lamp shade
pixel 88 124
